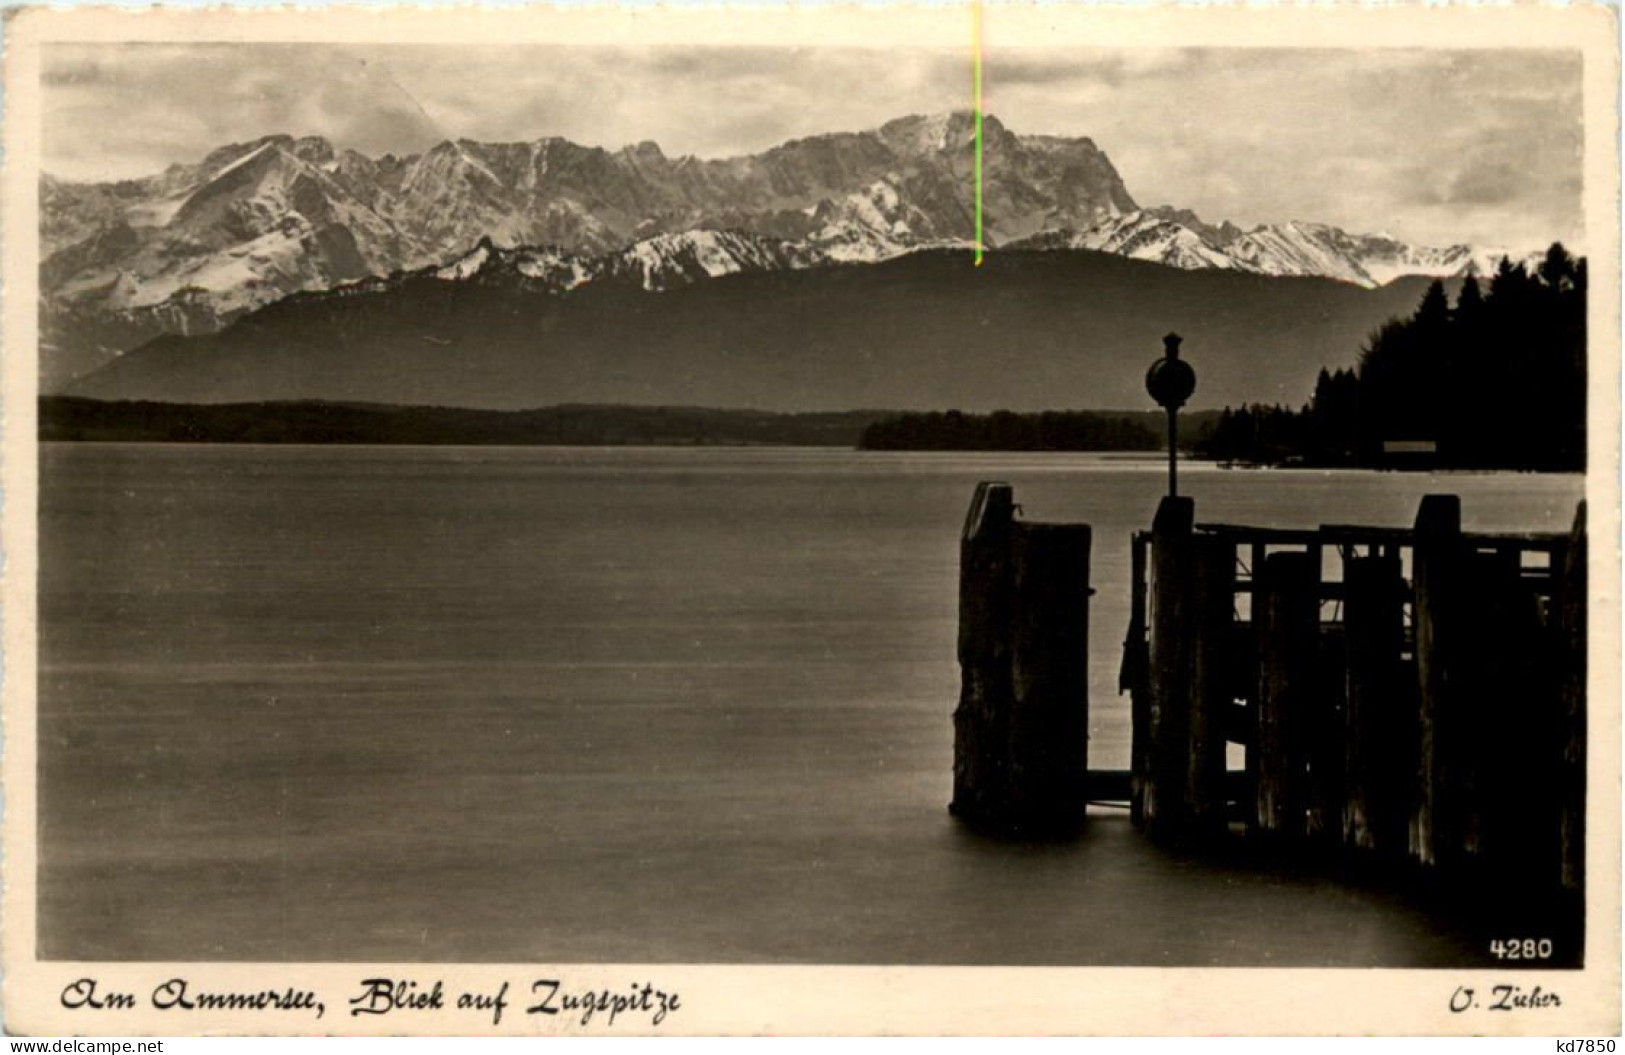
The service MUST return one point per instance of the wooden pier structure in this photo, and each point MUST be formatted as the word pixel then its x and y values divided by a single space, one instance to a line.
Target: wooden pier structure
pixel 1412 696
pixel 1021 730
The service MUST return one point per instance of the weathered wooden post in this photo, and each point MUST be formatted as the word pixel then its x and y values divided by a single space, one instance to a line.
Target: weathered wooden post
pixel 1287 613
pixel 1135 680
pixel 1439 571
pixel 1192 614
pixel 1382 746
pixel 1049 732
pixel 981 721
pixel 1324 738
pixel 1022 725
pixel 1163 786
pixel 1328 735
pixel 1212 684
pixel 1512 728
pixel 1570 611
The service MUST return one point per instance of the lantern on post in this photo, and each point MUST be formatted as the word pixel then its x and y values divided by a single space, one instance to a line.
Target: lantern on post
pixel 1170 381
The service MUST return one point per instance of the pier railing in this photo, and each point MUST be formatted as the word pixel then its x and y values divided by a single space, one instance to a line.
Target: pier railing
pixel 1392 692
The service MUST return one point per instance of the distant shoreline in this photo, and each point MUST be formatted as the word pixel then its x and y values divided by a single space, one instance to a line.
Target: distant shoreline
pixel 75 419
pixel 79 420
pixel 72 419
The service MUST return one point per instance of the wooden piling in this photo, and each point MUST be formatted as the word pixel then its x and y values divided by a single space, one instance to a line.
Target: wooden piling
pixel 1134 679
pixel 981 721
pixel 1191 664
pixel 1021 727
pixel 1286 610
pixel 1323 735
pixel 1380 763
pixel 1328 737
pixel 1049 731
pixel 1569 609
pixel 1162 802
pixel 1246 732
pixel 1438 824
pixel 1511 826
pixel 1211 686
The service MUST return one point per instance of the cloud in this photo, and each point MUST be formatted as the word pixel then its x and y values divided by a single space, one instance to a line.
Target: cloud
pixel 1367 139
pixel 1495 185
pixel 1115 68
pixel 1434 145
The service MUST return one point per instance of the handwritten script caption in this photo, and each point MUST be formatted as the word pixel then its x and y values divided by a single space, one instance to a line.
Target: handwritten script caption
pixel 641 1002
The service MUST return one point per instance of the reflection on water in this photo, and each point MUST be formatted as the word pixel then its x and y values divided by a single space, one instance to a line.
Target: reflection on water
pixel 605 705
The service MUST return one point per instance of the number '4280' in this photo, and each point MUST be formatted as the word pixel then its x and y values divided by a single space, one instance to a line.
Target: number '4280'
pixel 1522 949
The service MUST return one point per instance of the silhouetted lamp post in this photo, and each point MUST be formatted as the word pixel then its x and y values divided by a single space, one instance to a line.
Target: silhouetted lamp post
pixel 1170 382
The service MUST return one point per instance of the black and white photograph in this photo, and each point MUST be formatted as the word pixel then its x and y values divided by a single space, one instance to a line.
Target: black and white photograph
pixel 1002 497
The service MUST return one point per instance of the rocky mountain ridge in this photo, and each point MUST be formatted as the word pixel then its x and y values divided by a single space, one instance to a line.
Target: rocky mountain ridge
pixel 1178 238
pixel 193 248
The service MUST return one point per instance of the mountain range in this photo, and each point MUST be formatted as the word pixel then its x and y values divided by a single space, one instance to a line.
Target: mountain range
pixel 1029 330
pixel 192 249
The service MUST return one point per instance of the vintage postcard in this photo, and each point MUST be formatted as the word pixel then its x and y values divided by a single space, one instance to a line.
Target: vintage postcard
pixel 954 520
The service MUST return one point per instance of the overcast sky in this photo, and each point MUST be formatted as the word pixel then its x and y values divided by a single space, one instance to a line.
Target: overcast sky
pixel 1432 146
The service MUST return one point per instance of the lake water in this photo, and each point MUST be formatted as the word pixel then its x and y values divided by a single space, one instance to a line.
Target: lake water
pixel 608 705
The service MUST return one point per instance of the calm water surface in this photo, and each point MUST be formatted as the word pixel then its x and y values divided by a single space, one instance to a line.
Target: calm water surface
pixel 611 705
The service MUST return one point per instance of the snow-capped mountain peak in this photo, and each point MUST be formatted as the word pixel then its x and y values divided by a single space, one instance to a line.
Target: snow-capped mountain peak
pixel 677 259
pixel 194 247
pixel 1178 238
pixel 663 262
pixel 467 266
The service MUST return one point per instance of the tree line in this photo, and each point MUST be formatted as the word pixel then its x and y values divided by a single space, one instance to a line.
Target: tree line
pixel 1005 430
pixel 74 419
pixel 1497 380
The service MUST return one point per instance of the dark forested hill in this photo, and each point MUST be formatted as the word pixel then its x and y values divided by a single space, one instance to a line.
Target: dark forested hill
pixel 1028 331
